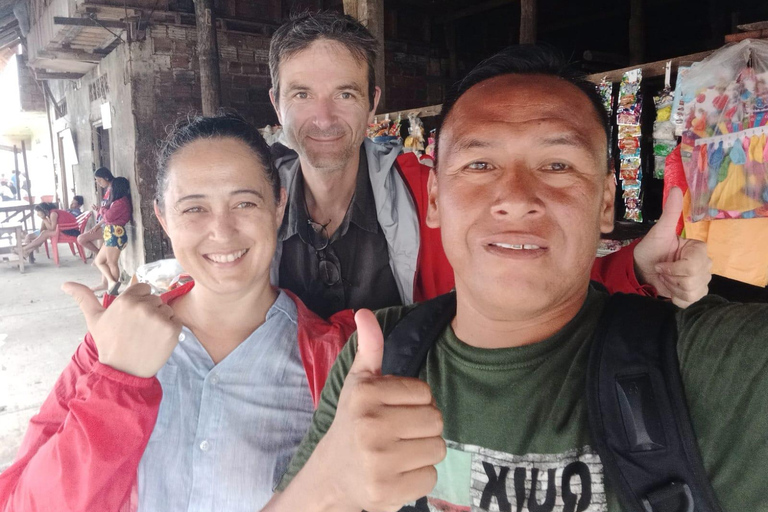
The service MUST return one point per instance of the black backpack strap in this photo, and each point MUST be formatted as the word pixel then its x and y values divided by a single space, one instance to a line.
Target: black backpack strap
pixel 638 413
pixel 406 346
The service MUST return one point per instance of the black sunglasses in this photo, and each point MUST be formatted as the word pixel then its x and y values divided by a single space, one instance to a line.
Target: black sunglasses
pixel 328 263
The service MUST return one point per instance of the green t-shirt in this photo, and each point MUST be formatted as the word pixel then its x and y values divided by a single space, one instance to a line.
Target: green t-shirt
pixel 516 421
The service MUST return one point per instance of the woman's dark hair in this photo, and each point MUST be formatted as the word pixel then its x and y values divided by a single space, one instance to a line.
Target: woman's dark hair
pixel 303 29
pixel 46 208
pixel 104 173
pixel 120 189
pixel 225 124
pixel 525 60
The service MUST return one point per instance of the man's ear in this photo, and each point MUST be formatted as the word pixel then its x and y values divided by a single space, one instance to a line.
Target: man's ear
pixel 281 207
pixel 160 218
pixel 273 99
pixel 376 98
pixel 609 198
pixel 433 212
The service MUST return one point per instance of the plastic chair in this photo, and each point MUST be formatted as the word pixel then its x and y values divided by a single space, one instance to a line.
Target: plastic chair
pixel 60 238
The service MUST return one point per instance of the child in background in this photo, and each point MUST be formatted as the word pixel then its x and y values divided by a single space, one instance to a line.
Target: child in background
pixel 76 206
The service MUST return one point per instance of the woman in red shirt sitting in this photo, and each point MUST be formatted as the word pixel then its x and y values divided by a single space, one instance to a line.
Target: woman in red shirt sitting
pixel 115 217
pixel 51 216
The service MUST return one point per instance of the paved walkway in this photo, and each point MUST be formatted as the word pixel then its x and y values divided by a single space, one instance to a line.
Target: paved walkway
pixel 40 327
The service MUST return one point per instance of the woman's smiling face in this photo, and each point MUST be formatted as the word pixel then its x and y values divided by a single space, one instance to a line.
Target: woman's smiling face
pixel 220 212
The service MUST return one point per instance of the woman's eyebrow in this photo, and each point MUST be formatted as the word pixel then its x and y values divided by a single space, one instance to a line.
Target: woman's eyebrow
pixel 234 192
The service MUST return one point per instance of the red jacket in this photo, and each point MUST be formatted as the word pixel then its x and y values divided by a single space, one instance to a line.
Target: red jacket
pixel 119 213
pixel 104 202
pixel 82 450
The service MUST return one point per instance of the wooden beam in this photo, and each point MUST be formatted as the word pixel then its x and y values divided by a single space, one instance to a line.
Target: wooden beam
pixel 579 20
pixel 50 99
pixel 88 22
pixel 26 177
pixel 636 32
pixel 450 44
pixel 108 11
pixel 50 134
pixel 45 75
pixel 760 25
pixel 471 11
pixel 528 20
pixel 7 43
pixel 651 69
pixel 431 111
pixel 613 59
pixel 16 164
pixel 350 7
pixel 208 52
pixel 10 36
pixel 70 54
pixel 370 13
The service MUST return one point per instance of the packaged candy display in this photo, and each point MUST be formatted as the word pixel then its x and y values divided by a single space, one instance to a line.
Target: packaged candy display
pixel 724 150
pixel 385 131
pixel 431 143
pixel 271 134
pixel 415 140
pixel 605 90
pixel 664 139
pixel 428 158
pixel 628 112
pixel 661 150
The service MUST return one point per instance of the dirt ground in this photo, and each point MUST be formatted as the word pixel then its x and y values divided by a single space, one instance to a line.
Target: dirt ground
pixel 40 327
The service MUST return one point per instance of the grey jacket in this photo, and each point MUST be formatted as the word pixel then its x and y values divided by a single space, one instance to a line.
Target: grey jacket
pixel 395 210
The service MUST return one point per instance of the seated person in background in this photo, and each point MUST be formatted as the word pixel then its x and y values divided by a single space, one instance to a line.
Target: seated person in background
pixel 7 193
pixel 76 206
pixel 497 418
pixel 200 396
pixel 51 216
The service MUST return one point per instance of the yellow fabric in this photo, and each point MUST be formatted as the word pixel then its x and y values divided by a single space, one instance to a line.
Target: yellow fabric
pixel 729 194
pixel 756 146
pixel 738 247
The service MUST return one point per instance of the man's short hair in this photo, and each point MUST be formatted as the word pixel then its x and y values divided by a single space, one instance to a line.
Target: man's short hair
pixel 303 29
pixel 79 200
pixel 526 60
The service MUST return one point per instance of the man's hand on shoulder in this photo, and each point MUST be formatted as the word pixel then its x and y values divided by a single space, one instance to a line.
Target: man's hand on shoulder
pixel 676 267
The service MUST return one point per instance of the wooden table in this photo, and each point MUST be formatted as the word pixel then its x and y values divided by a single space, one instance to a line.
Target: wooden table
pixel 17 212
pixel 6 230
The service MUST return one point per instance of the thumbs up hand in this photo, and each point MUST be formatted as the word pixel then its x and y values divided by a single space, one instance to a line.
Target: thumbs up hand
pixel 136 334
pixel 676 267
pixel 386 437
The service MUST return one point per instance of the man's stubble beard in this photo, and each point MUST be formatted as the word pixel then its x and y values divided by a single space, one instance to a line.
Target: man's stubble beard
pixel 328 163
pixel 325 162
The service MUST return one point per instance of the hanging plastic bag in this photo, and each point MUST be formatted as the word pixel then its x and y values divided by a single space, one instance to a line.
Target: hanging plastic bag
pixel 162 275
pixel 724 153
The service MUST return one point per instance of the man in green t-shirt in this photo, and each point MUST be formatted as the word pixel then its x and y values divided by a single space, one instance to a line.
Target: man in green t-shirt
pixel 497 419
